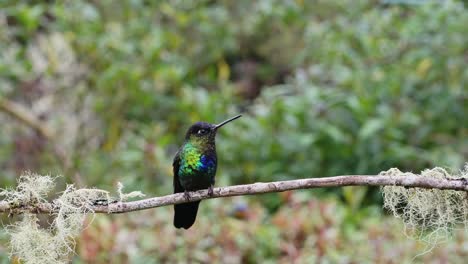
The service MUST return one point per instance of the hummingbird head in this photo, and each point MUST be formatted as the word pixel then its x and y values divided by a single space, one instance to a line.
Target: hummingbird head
pixel 205 132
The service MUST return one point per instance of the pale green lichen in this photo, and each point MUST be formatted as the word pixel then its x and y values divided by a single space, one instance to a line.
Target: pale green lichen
pixel 73 205
pixel 429 214
pixel 125 196
pixel 32 188
pixel 32 244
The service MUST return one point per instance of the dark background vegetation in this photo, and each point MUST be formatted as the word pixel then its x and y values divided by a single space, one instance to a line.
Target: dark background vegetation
pixel 326 88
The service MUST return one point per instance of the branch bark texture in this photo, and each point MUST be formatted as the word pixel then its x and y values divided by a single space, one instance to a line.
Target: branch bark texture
pixel 258 188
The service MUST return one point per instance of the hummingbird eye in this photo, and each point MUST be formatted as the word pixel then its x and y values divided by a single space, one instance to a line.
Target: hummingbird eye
pixel 202 131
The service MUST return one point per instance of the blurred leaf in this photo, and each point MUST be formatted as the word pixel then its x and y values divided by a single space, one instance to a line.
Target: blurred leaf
pixel 370 128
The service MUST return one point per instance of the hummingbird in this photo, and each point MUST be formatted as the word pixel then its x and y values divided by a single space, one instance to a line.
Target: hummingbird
pixel 194 168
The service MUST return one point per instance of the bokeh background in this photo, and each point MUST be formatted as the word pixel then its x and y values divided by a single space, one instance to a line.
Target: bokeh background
pixel 326 88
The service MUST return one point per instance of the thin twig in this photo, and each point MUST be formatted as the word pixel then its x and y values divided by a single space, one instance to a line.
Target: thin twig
pixel 259 188
pixel 28 118
pixel 24 115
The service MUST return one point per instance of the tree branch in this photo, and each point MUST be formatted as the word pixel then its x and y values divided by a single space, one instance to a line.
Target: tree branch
pixel 410 181
pixel 22 114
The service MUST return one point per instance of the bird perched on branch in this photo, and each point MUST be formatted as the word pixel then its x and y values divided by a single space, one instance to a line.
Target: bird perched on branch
pixel 194 168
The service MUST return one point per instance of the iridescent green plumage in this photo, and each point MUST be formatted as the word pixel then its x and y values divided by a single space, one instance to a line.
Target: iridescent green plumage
pixel 197 167
pixel 190 159
pixel 194 168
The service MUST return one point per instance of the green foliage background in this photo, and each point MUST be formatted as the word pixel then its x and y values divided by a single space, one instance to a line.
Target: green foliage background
pixel 326 88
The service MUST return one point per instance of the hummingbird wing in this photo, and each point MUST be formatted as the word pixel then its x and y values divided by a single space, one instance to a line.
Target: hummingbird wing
pixel 185 213
pixel 175 170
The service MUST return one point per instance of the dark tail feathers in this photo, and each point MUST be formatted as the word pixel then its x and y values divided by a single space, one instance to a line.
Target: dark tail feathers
pixel 185 214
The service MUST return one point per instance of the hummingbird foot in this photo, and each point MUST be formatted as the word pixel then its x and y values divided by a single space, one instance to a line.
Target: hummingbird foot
pixel 210 190
pixel 187 195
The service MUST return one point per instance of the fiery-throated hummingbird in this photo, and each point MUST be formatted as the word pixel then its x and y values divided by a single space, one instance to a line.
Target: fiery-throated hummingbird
pixel 194 168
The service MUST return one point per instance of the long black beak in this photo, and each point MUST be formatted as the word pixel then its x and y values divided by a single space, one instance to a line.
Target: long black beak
pixel 227 121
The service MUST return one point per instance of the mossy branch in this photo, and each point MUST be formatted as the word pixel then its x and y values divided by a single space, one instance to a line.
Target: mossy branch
pixel 409 181
pixel 435 202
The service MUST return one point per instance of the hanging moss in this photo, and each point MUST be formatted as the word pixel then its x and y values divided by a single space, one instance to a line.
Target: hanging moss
pixel 33 244
pixel 429 214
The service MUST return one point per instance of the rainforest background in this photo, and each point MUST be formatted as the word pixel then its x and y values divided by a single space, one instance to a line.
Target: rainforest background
pixel 326 88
